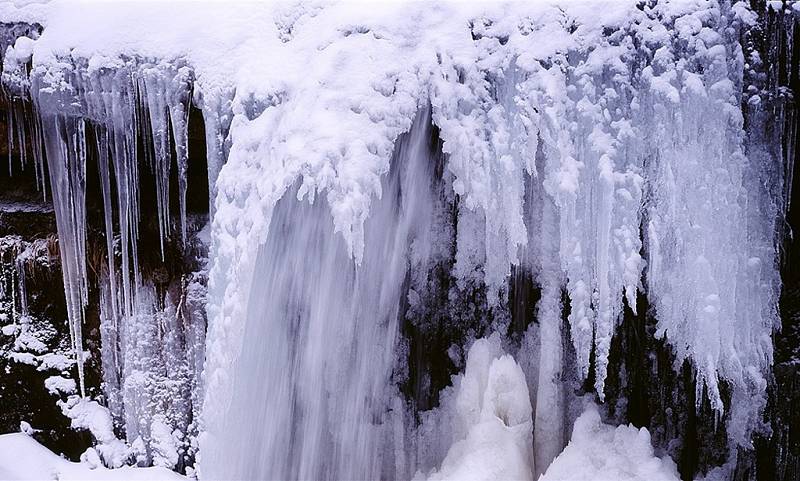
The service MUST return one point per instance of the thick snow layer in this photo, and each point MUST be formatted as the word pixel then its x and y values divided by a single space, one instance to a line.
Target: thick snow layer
pixel 21 458
pixel 600 452
pixel 59 385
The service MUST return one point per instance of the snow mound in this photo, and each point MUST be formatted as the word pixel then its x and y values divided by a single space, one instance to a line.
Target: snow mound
pixel 21 457
pixel 92 416
pixel 493 406
pixel 600 452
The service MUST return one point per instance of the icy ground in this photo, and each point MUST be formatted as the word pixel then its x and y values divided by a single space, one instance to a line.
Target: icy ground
pixel 21 457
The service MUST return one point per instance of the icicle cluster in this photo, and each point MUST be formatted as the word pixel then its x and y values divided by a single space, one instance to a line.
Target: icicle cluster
pixel 14 253
pixel 27 336
pixel 107 112
pixel 649 112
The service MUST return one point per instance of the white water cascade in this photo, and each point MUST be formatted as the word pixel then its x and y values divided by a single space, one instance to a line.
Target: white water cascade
pixel 327 332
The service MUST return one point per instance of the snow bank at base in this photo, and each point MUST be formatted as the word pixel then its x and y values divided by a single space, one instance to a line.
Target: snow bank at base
pixel 600 452
pixel 21 457
pixel 492 406
pixel 486 416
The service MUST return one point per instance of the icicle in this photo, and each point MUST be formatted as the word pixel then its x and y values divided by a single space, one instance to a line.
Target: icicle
pixel 105 187
pixel 152 91
pixel 179 117
pixel 66 155
pixel 10 123
pixel 549 410
pixel 21 286
pixel 23 146
pixel 14 313
pixel 217 122
pixel 38 155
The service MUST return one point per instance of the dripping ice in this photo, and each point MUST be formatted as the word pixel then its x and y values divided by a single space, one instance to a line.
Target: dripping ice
pixel 115 116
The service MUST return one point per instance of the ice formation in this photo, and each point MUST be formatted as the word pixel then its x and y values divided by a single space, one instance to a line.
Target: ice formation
pixel 601 149
pixel 151 363
pixel 491 426
pixel 598 451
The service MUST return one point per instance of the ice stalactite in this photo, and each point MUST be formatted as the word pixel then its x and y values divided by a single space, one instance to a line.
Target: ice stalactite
pixel 15 257
pixel 712 273
pixel 65 147
pixel 167 100
pixel 124 120
pixel 24 129
pixel 217 117
pixel 328 333
pixel 153 92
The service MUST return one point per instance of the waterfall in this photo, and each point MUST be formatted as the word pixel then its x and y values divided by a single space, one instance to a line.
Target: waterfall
pixel 313 389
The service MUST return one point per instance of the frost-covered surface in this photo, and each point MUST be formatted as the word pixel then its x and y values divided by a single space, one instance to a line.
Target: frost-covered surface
pixel 599 452
pixel 21 457
pixel 60 385
pixel 634 111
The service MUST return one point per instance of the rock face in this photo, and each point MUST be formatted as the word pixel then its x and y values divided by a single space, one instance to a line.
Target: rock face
pixel 777 445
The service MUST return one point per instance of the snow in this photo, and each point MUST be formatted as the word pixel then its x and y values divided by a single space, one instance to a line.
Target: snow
pixel 21 458
pixel 59 385
pixel 59 362
pixel 600 452
pixel 487 413
pixel 85 414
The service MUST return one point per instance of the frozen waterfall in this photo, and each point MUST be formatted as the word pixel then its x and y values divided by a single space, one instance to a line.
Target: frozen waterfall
pixel 421 226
